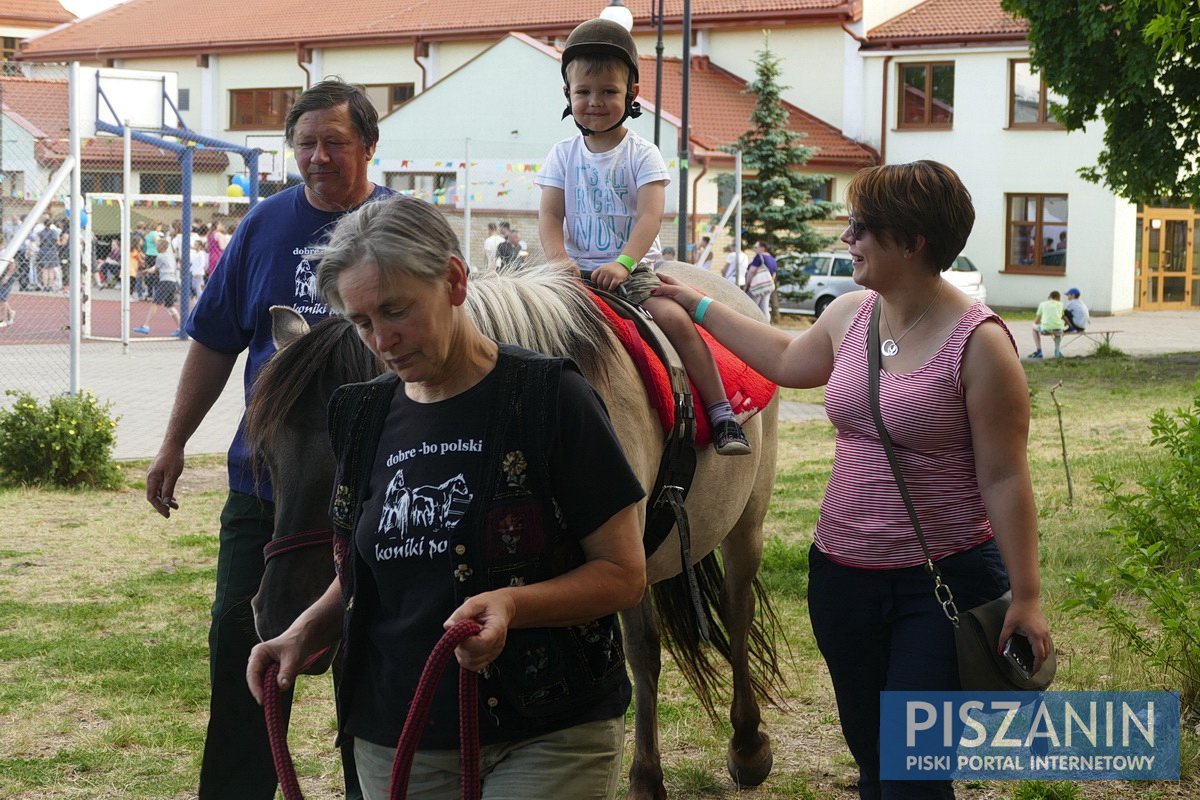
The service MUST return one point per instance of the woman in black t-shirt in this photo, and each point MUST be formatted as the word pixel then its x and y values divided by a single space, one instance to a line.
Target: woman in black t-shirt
pixel 471 509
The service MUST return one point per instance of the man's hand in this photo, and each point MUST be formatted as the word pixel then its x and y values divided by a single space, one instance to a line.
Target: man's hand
pixel 161 478
pixel 610 276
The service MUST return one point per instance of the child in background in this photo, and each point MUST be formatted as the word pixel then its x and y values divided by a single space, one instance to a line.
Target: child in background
pixel 608 185
pixel 199 265
pixel 1049 322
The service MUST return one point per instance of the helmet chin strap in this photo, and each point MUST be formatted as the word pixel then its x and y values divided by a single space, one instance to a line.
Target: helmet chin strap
pixel 633 110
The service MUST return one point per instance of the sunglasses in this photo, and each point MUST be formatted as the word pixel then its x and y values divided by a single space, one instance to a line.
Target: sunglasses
pixel 857 228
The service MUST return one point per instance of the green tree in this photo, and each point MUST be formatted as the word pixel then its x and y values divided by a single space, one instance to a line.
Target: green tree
pixel 1135 65
pixel 777 203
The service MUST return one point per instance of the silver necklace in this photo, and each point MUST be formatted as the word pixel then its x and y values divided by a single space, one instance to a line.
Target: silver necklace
pixel 891 347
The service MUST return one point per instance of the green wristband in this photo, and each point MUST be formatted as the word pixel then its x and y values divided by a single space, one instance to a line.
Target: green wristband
pixel 627 262
pixel 701 310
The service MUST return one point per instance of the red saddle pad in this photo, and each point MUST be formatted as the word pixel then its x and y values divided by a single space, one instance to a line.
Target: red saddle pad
pixel 748 392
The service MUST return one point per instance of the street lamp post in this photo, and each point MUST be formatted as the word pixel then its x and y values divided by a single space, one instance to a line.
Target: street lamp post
pixel 683 129
pixel 656 16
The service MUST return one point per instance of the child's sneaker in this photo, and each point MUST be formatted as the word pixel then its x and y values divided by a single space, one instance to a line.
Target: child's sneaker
pixel 1036 354
pixel 143 330
pixel 729 440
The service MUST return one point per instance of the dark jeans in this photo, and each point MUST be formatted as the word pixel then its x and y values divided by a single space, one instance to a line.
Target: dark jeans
pixel 237 761
pixel 882 630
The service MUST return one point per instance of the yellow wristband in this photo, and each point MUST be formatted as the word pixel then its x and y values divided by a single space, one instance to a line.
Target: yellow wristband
pixel 627 262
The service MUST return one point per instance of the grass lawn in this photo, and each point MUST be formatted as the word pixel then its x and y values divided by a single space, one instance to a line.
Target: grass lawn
pixel 104 613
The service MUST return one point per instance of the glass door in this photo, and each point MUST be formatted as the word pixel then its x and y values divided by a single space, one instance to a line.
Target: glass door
pixel 1168 260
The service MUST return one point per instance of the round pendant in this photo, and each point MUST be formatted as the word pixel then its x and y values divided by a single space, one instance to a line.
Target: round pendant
pixel 889 347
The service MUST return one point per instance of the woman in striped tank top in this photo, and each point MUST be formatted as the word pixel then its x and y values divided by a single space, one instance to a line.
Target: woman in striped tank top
pixel 956 405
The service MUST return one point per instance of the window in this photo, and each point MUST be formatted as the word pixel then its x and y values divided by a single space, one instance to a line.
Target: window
pixel 160 183
pixel 387 97
pixel 1037 233
pixel 184 100
pixel 100 182
pixel 260 108
pixel 822 191
pixel 926 95
pixel 399 94
pixel 436 187
pixel 1029 99
pixel 8 51
pixel 12 183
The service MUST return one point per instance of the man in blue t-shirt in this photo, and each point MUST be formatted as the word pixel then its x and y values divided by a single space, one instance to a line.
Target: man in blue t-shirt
pixel 333 130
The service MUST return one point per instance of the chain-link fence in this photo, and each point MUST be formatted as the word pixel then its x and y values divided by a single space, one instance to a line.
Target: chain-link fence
pixel 128 353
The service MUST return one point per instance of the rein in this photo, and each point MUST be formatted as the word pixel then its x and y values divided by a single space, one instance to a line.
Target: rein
pixel 414 725
pixel 295 541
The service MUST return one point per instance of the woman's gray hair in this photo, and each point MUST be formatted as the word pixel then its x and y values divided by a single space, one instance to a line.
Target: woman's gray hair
pixel 401 235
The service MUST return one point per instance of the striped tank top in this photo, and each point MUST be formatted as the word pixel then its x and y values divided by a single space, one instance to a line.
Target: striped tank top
pixel 863 522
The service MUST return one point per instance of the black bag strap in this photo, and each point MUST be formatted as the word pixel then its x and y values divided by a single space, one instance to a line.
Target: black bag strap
pixel 940 590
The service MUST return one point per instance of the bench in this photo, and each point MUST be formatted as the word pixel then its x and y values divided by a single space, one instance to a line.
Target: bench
pixel 1104 337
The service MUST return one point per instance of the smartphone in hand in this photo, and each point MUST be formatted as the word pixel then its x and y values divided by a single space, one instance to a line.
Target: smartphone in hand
pixel 1019 653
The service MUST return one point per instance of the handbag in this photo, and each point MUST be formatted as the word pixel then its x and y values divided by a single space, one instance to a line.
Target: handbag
pixel 977 630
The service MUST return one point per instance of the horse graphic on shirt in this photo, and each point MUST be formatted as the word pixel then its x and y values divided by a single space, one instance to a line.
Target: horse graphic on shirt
pixel 306 280
pixel 425 508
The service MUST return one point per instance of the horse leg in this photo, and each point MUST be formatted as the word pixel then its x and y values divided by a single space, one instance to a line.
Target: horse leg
pixel 749 760
pixel 642 647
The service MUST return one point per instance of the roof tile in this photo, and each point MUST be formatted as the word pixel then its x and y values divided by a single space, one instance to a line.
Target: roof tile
pixel 136 25
pixel 46 11
pixel 948 18
pixel 720 110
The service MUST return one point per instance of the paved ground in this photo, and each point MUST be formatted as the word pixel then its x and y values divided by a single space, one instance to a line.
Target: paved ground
pixel 140 379
pixel 1140 333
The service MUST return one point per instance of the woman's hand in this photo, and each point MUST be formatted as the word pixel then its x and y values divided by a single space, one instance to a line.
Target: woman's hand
pixel 288 650
pixel 493 611
pixel 1027 619
pixel 673 289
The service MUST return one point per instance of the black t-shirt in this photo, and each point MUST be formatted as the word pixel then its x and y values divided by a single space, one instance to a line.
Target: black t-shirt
pixel 427 482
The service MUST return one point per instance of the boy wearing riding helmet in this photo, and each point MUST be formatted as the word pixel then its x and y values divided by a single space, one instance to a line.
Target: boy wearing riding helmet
pixel 608 185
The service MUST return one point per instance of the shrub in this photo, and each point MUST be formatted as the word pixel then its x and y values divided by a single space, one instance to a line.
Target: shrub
pixel 1041 790
pixel 1147 594
pixel 66 442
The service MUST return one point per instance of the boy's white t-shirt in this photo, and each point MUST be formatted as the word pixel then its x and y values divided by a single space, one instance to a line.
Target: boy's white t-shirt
pixel 600 195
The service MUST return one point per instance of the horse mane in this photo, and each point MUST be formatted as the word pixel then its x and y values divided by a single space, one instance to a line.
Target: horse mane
pixel 332 350
pixel 540 308
pixel 545 309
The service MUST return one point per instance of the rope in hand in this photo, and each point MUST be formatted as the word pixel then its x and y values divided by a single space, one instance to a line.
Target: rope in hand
pixel 414 725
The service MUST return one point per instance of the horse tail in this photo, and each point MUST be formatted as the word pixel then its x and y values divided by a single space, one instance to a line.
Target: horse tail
pixel 681 636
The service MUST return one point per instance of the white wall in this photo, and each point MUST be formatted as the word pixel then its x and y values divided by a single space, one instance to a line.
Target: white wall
pixel 993 161
pixel 372 65
pixel 811 61
pixel 877 12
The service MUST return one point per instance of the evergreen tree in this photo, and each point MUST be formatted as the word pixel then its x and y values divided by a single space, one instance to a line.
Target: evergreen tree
pixel 777 202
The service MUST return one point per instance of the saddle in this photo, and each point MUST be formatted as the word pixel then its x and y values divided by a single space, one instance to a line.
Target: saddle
pixel 684 423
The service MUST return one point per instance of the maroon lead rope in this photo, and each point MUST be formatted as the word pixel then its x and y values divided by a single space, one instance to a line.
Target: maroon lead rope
pixel 418 713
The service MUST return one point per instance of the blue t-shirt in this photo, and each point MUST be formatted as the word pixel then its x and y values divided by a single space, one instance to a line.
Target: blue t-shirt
pixel 266 264
pixel 764 259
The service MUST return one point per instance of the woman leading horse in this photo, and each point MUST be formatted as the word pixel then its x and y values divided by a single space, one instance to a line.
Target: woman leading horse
pixel 541 547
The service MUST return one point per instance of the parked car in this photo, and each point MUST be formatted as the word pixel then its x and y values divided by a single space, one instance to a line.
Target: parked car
pixel 831 275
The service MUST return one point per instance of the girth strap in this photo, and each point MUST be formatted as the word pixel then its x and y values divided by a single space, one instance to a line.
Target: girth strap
pixel 677 467
pixel 295 541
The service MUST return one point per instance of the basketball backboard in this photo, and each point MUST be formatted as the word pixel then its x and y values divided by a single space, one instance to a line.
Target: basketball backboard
pixel 272 161
pixel 114 96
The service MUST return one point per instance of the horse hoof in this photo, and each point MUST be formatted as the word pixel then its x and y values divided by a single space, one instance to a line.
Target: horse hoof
pixel 750 772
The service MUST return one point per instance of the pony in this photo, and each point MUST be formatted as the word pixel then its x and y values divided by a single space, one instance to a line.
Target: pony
pixel 543 309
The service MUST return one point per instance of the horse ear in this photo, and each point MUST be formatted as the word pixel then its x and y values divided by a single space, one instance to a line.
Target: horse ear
pixel 286 326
